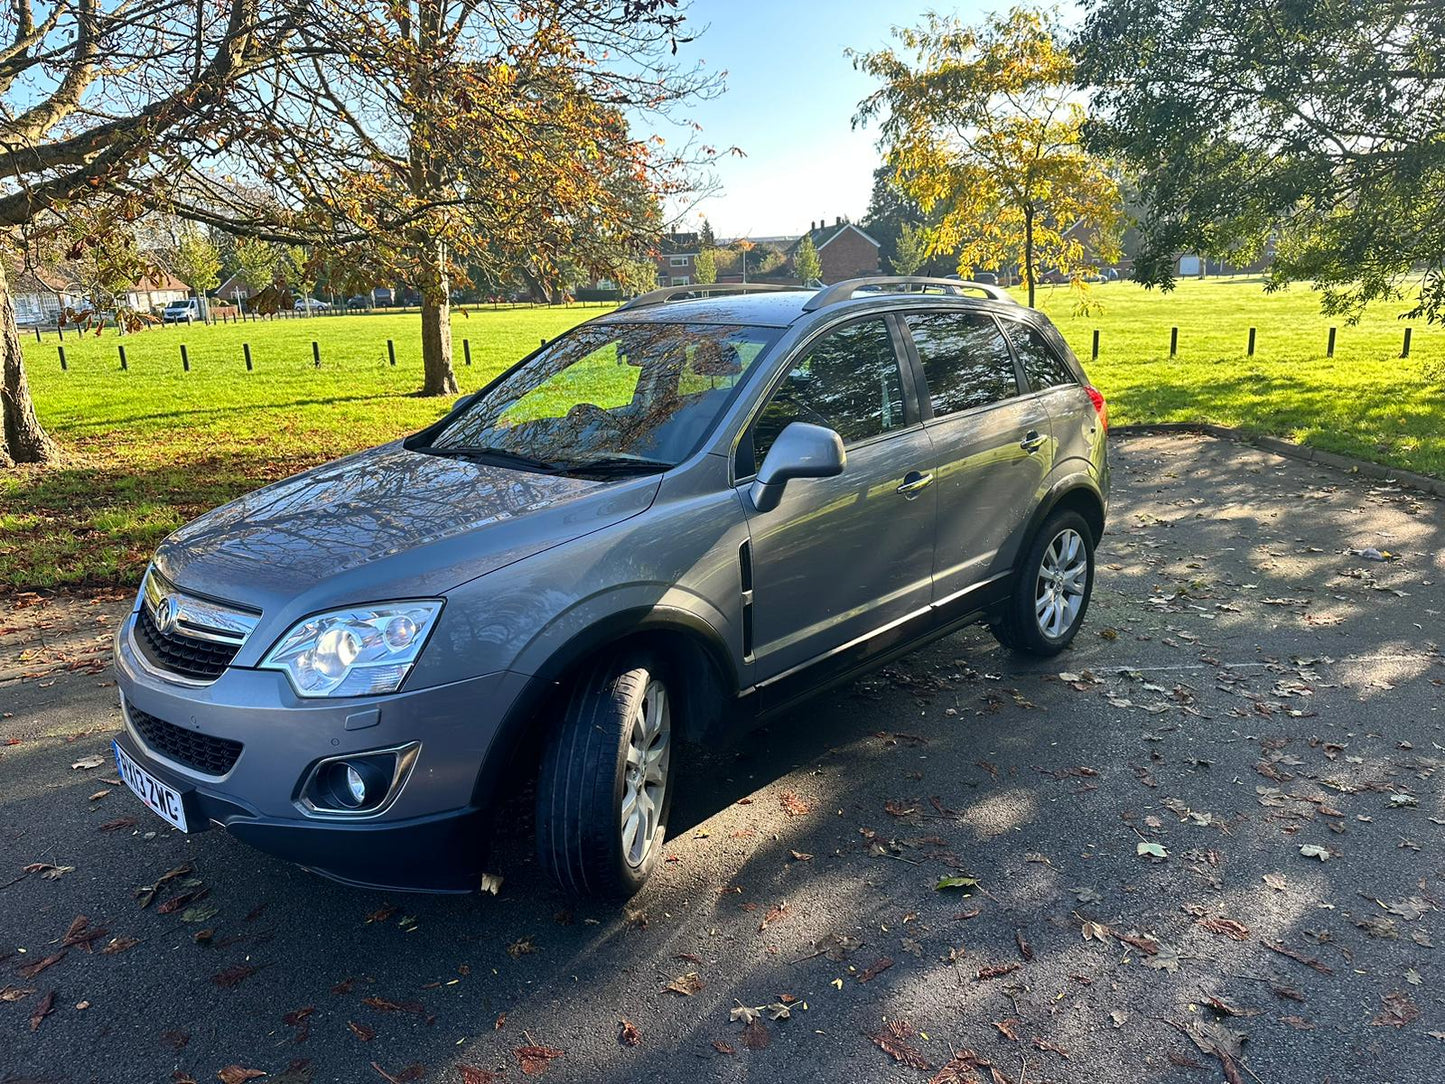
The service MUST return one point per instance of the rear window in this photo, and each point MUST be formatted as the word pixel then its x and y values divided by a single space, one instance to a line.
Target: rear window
pixel 965 358
pixel 1043 367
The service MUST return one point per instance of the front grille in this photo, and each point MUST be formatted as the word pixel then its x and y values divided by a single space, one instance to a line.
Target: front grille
pixel 188 656
pixel 211 756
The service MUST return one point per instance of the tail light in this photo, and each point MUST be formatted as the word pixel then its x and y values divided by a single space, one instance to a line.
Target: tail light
pixel 1101 408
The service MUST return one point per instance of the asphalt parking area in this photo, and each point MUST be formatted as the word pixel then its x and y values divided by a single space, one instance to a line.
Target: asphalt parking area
pixel 1206 841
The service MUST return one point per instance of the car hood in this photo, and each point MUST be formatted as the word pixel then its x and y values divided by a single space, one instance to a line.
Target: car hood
pixel 385 524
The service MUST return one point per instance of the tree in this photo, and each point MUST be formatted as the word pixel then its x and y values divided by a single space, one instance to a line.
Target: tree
pixel 256 263
pixel 197 260
pixel 981 129
pixel 911 251
pixel 806 264
pixel 98 103
pixel 431 137
pixel 636 277
pixel 705 238
pixel 1314 124
pixel 705 267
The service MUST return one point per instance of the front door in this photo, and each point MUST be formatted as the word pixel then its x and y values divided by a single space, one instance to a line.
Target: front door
pixel 994 447
pixel 842 557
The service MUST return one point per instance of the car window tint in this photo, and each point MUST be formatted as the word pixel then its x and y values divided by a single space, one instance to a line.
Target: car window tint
pixel 1043 367
pixel 848 381
pixel 965 359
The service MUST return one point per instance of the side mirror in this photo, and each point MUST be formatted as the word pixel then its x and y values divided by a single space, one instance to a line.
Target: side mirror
pixel 457 405
pixel 802 450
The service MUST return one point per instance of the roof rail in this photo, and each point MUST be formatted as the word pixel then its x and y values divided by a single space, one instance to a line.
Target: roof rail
pixel 842 291
pixel 701 289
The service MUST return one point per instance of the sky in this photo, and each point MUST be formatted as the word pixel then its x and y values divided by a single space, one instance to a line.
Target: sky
pixel 789 104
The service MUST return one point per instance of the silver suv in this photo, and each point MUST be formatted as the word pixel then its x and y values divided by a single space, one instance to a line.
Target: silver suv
pixel 672 520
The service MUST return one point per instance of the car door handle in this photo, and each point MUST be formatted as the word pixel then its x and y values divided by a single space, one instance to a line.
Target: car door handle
pixel 914 483
pixel 1032 442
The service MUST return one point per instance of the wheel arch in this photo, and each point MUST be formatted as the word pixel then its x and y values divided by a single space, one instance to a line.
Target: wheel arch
pixel 1077 493
pixel 690 644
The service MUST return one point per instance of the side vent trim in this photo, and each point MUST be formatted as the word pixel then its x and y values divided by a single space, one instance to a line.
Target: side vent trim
pixel 745 578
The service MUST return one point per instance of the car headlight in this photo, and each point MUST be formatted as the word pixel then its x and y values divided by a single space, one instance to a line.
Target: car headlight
pixel 356 652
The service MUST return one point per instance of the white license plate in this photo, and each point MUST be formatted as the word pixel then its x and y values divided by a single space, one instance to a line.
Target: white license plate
pixel 163 800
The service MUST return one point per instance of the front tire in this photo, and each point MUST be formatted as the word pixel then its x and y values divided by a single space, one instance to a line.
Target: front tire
pixel 1052 588
pixel 604 790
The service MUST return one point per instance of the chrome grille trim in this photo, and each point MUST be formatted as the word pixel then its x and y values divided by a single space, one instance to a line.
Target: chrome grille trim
pixel 179 614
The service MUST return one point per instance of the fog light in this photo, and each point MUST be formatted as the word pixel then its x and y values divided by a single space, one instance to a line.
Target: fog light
pixel 356 785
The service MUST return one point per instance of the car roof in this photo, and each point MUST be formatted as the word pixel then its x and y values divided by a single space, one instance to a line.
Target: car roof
pixel 776 308
pixel 783 307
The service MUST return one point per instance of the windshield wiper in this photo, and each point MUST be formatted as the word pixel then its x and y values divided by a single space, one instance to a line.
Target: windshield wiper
pixel 501 456
pixel 616 464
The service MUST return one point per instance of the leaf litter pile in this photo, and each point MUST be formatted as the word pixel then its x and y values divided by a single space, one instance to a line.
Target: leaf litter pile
pixel 1158 857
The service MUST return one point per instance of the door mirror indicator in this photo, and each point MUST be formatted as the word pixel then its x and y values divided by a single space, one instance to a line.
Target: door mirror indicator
pixel 802 450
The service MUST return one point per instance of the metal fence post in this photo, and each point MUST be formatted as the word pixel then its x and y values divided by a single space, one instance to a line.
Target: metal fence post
pixel 466 351
pixel 1173 341
pixel 391 351
pixel 121 348
pixel 1330 349
pixel 315 353
pixel 1096 344
pixel 246 350
pixel 1405 350
pixel 1251 342
pixel 63 366
pixel 185 359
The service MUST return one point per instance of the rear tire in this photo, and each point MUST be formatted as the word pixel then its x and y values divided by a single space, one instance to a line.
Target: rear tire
pixel 604 790
pixel 1052 588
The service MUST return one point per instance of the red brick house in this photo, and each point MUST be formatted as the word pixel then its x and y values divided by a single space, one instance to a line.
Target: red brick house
pixel 676 259
pixel 844 250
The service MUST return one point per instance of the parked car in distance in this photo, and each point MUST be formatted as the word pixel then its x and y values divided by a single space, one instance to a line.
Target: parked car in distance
pixel 311 304
pixel 661 526
pixel 181 311
pixel 359 303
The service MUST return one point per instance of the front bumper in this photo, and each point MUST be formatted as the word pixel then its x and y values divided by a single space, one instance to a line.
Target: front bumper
pixel 428 836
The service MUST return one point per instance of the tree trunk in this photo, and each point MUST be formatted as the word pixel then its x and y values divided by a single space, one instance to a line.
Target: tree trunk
pixel 436 327
pixel 24 440
pixel 1029 250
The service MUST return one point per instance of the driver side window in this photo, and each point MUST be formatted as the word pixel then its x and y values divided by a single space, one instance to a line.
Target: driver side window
pixel 848 381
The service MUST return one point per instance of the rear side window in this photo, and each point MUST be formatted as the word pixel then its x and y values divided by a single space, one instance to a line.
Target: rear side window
pixel 965 360
pixel 848 381
pixel 1043 367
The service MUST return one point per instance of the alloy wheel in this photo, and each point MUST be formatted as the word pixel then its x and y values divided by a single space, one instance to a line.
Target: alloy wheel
pixel 649 750
pixel 1063 576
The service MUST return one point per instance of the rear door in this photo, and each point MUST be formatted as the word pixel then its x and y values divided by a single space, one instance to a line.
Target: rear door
pixel 840 557
pixel 1073 419
pixel 992 442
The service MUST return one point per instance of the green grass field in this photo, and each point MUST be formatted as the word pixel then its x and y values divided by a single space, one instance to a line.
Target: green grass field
pixel 152 447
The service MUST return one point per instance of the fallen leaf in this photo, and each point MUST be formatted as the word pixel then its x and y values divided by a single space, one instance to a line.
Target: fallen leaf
pixel 535 1059
pixel 1025 949
pixel 1314 850
pixel 892 1040
pixel 1322 968
pixel 1398 1011
pixel 1226 927
pixel 29 971
pixel 1275 881
pixel 44 1009
pixel 472 1075
pixel 756 1036
pixel 686 985
pixel 15 993
pixel 627 1033
pixel 234 1074
pixel 1096 931
pixel 1009 1028
pixel 956 882
pixel 792 805
pixel 723 1047
pixel 86 763
pixel 997 971
pixel 119 944
pixel 233 976
pixel 1153 850
pixel 361 1031
pixel 875 969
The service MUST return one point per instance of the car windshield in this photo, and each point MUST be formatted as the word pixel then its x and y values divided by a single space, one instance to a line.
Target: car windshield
pixel 640 396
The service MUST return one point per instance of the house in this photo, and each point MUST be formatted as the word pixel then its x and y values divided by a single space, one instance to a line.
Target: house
pixel 676 258
pixel 844 250
pixel 155 290
pixel 40 295
pixel 235 290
